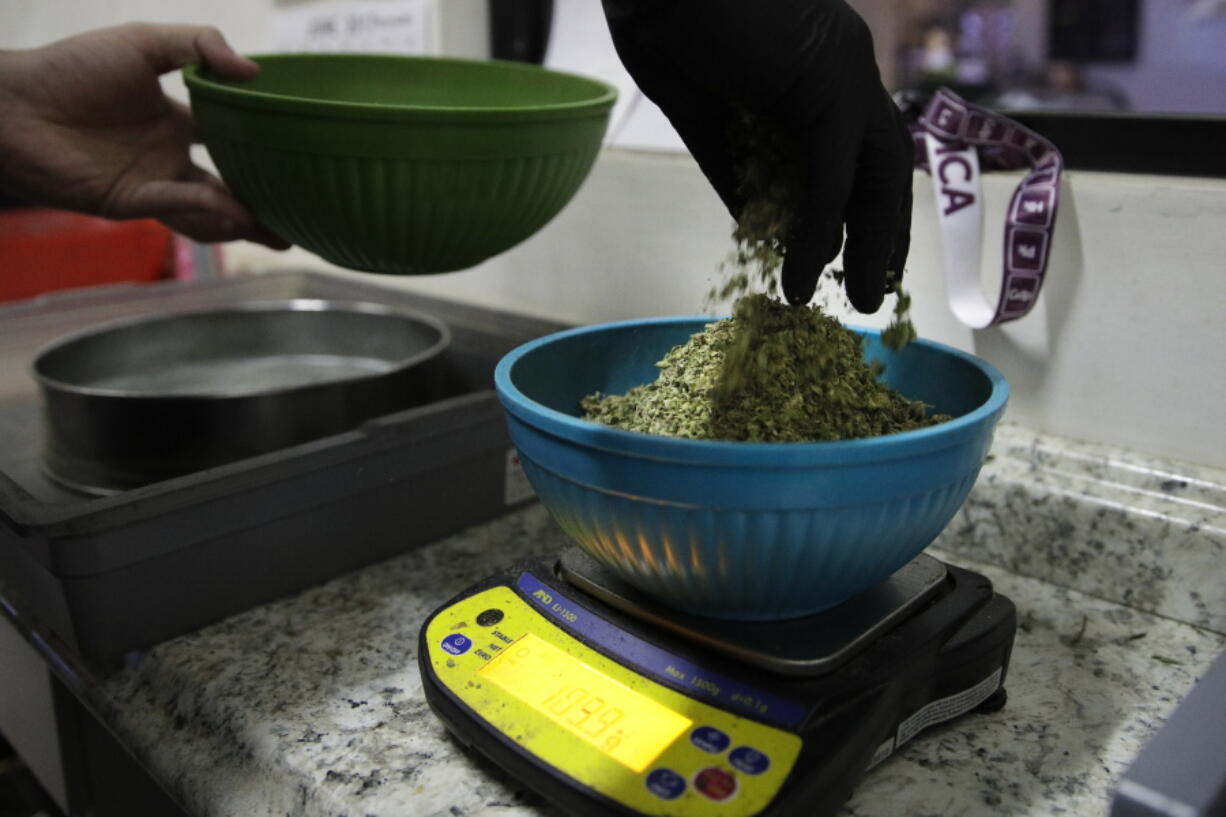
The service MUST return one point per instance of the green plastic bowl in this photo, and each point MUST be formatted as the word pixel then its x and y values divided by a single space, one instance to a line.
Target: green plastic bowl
pixel 403 165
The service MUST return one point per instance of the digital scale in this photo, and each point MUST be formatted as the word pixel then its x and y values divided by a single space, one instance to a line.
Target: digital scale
pixel 606 702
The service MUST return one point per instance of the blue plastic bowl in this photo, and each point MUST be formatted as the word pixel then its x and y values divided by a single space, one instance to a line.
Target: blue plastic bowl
pixel 751 531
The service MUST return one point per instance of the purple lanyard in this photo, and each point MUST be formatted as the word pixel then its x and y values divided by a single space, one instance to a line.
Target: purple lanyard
pixel 953 140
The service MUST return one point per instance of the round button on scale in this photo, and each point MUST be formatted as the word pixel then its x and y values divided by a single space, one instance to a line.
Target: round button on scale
pixel 490 617
pixel 715 783
pixel 665 784
pixel 710 739
pixel 749 760
pixel 456 644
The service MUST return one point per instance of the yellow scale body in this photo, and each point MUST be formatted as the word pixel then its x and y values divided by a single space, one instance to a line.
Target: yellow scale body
pixel 599 722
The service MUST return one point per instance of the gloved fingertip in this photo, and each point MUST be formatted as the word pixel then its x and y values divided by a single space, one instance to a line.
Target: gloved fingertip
pixel 865 302
pixel 799 286
pixel 804 259
pixel 866 290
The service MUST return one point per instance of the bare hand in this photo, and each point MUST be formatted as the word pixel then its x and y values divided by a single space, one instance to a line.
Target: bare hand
pixel 84 126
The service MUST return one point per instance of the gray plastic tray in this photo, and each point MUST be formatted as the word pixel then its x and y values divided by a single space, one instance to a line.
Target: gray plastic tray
pixel 114 574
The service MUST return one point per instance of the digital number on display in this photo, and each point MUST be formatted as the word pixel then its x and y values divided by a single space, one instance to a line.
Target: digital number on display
pixel 625 725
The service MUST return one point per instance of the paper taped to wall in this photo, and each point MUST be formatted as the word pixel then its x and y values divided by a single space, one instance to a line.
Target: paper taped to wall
pixel 371 26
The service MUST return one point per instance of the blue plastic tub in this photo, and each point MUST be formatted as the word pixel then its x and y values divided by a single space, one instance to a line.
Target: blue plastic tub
pixel 743 530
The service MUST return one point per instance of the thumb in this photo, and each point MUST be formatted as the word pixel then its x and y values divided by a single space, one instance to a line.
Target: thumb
pixel 170 47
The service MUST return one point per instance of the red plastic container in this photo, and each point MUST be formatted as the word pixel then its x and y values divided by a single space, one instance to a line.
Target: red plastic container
pixel 43 250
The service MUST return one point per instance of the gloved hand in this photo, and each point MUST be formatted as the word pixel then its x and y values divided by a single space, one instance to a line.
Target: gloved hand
pixel 807 67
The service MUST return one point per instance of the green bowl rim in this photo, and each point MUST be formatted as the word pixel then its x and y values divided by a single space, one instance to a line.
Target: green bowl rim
pixel 597 105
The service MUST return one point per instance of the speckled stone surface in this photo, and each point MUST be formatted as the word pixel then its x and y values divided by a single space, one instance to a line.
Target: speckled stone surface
pixel 1142 531
pixel 312 706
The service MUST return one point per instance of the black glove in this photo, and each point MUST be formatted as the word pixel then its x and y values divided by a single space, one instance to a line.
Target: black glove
pixel 806 66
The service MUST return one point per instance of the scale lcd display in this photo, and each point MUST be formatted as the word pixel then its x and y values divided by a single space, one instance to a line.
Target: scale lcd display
pixel 623 724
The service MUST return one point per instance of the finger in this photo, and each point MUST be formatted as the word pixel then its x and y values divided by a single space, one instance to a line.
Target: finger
pixel 827 166
pixel 170 47
pixel 199 206
pixel 191 194
pixel 210 228
pixel 207 228
pixel 255 231
pixel 902 228
pixel 248 228
pixel 882 181
pixel 262 235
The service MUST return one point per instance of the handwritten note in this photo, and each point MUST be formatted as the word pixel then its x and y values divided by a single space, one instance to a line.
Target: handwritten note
pixel 372 26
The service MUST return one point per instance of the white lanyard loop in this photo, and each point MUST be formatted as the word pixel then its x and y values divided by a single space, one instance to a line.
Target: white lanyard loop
pixel 953 139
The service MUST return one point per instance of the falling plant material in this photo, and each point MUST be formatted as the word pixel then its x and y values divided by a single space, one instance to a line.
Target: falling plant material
pixel 767 186
pixel 900 330
pixel 771 372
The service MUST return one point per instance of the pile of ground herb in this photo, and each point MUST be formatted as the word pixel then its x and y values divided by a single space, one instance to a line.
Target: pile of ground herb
pixel 771 372
pixel 808 382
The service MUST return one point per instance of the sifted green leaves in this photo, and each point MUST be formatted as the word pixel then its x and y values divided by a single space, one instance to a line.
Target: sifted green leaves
pixel 801 378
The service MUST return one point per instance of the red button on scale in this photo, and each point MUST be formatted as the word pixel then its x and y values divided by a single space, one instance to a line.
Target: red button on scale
pixel 715 783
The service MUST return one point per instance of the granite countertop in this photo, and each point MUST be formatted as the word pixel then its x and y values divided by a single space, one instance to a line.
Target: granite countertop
pixel 312 706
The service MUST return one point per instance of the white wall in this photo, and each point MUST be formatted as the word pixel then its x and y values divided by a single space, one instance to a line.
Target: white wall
pixel 1126 345
pixel 1179 66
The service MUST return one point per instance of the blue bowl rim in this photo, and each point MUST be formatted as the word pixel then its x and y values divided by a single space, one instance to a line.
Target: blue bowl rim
pixel 763 455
